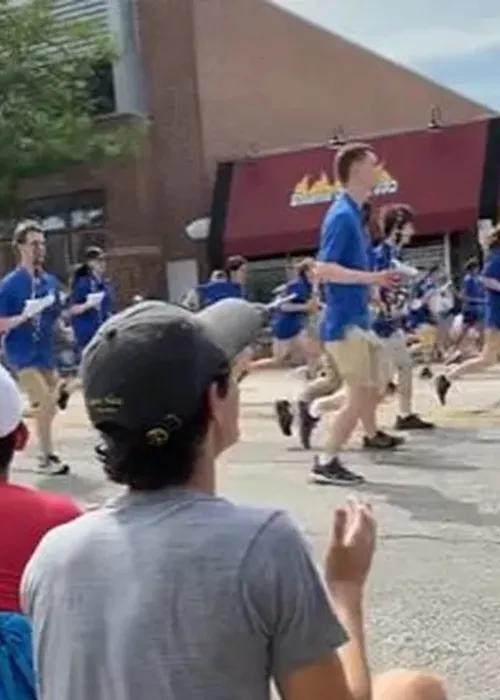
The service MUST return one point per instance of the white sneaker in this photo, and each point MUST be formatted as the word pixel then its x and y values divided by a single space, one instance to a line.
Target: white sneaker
pixel 52 466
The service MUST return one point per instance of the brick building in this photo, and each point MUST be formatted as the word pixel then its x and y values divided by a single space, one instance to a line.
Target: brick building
pixel 218 81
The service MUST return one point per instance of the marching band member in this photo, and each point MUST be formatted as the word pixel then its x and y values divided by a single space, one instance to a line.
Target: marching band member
pixel 30 310
pixel 421 319
pixel 91 297
pixel 290 320
pixel 490 279
pixel 397 227
pixel 223 284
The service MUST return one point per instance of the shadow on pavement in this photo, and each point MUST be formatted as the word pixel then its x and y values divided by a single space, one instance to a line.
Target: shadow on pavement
pixel 79 487
pixel 422 460
pixel 426 504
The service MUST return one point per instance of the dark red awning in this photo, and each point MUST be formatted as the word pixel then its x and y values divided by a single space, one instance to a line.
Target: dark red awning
pixel 276 202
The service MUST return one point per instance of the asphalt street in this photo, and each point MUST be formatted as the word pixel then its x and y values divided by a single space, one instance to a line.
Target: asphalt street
pixel 434 599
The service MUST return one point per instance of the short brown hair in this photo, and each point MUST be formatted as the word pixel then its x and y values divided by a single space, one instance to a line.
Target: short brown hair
pixel 234 263
pixel 304 265
pixel 23 228
pixel 347 156
pixel 471 264
pixel 394 216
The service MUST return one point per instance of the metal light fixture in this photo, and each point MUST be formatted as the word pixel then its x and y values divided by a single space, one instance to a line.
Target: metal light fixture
pixel 436 119
pixel 338 138
pixel 198 230
pixel 252 152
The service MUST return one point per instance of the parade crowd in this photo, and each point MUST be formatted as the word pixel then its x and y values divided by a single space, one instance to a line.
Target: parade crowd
pixel 170 590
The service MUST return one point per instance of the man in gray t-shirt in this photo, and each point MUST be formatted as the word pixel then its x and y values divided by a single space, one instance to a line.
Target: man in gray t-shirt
pixel 170 592
pixel 175 595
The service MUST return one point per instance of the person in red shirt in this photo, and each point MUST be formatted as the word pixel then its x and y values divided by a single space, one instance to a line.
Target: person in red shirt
pixel 25 513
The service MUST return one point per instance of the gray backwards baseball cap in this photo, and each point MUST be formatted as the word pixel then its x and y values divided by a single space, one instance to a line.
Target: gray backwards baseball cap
pixel 147 368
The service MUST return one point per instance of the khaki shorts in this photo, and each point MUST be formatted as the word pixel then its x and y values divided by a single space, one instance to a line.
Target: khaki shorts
pixel 427 336
pixel 361 360
pixel 331 371
pixel 397 350
pixel 39 385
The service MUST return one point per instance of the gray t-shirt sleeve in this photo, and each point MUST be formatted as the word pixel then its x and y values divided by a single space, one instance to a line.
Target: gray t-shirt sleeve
pixel 286 600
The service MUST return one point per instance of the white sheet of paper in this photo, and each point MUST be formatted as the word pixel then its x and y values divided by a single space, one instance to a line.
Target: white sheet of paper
pixel 95 298
pixel 33 307
pixel 405 269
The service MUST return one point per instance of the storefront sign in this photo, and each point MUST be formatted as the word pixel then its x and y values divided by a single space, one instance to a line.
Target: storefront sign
pixel 324 190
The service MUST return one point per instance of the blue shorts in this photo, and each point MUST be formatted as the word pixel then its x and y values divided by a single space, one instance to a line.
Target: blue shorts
pixel 286 333
pixel 472 318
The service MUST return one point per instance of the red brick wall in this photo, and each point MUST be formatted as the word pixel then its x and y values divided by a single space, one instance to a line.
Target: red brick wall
pixel 180 189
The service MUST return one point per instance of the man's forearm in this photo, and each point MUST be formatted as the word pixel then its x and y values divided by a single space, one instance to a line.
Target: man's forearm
pixel 332 272
pixel 348 607
pixel 294 308
pixel 10 322
pixel 491 283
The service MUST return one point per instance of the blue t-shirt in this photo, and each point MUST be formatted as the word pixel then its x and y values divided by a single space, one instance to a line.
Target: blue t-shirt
pixel 343 241
pixel 30 345
pixel 420 314
pixel 473 295
pixel 288 324
pixel 384 255
pixel 387 319
pixel 85 325
pixel 211 292
pixel 492 309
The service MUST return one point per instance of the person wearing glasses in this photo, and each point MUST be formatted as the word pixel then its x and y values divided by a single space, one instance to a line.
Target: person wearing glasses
pixel 30 310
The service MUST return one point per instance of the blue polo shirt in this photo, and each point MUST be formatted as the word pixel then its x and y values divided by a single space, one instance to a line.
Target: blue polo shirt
pixel 288 324
pixel 211 292
pixel 86 325
pixel 492 310
pixel 420 314
pixel 473 295
pixel 384 255
pixel 344 241
pixel 30 345
pixel 388 319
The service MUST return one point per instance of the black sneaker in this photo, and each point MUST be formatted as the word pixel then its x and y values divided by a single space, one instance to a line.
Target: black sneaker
pixel 284 416
pixel 306 425
pixel 382 441
pixel 413 422
pixel 334 473
pixel 443 385
pixel 426 373
pixel 63 398
pixel 52 466
pixel 392 388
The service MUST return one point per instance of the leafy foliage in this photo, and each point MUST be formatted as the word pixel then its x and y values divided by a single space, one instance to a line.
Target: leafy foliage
pixel 47 114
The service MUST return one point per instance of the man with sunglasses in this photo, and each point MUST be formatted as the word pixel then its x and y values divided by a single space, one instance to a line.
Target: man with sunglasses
pixel 30 308
pixel 397 228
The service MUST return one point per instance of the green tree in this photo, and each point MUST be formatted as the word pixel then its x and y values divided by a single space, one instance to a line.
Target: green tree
pixel 47 115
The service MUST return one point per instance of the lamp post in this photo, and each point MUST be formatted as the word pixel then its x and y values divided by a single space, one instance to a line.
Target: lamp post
pixel 338 138
pixel 436 119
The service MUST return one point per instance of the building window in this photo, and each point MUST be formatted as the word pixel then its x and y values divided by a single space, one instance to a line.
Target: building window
pixel 68 212
pixel 101 89
pixel 264 276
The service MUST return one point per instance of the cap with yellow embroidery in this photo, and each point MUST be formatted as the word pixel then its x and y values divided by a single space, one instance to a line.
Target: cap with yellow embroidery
pixel 147 368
